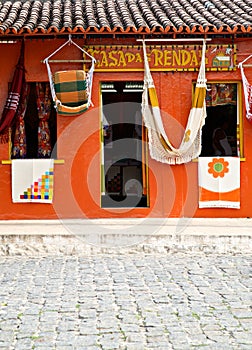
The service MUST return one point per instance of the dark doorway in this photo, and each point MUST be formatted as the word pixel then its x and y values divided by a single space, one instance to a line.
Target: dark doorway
pixel 123 166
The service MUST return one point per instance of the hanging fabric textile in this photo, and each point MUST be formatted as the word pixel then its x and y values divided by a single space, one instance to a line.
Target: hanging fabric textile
pixel 71 90
pixel 32 180
pixel 219 182
pixel 13 99
pixel 44 110
pixel 159 145
pixel 247 89
pixel 19 143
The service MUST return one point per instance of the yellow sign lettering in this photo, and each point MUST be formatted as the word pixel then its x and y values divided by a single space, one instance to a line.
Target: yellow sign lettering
pixel 176 58
pixel 185 57
pixel 130 57
pixel 194 59
pixel 158 57
pixel 104 59
pixel 167 58
pixel 122 60
pixel 138 58
pixel 114 60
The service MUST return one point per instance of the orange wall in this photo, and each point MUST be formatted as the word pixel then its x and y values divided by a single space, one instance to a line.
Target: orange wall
pixel 173 189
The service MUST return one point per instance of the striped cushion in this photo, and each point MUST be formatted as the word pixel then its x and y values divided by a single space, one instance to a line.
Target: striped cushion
pixel 71 87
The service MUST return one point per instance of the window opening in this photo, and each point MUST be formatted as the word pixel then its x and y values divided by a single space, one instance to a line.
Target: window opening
pixel 221 132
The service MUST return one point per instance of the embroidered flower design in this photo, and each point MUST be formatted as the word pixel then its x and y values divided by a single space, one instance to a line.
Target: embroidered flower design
pixel 218 167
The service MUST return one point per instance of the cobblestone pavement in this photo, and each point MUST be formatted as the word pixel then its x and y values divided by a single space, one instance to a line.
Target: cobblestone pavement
pixel 135 301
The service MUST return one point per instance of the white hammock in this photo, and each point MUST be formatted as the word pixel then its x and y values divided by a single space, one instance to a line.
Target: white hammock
pixel 160 147
pixel 247 89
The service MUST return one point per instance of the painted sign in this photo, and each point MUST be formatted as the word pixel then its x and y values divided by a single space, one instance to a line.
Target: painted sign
pixel 162 57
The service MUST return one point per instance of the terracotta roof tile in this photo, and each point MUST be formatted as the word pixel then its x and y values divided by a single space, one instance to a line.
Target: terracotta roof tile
pixel 101 15
pixel 124 16
pixel 113 15
pixel 44 13
pixel 88 13
pixel 136 14
pixel 79 21
pixel 160 14
pixel 31 23
pixel 56 16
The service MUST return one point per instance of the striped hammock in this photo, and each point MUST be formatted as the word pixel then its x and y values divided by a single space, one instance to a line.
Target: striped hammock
pixel 159 145
pixel 71 90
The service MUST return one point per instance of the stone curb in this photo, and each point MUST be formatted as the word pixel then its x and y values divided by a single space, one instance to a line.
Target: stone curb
pixel 82 237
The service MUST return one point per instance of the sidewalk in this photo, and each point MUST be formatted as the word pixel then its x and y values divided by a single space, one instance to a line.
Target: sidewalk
pixel 76 237
pixel 135 284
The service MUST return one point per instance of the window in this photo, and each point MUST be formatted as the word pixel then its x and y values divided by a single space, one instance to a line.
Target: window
pixel 35 131
pixel 221 132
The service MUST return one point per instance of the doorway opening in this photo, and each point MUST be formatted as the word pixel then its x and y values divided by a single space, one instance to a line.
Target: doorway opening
pixel 124 166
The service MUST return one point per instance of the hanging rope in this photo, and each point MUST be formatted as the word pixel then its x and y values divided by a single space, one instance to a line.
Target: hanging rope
pixel 160 147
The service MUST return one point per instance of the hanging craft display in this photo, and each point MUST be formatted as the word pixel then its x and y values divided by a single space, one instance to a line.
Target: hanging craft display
pixel 247 89
pixel 160 147
pixel 219 182
pixel 14 99
pixel 71 90
pixel 32 180
pixel 19 149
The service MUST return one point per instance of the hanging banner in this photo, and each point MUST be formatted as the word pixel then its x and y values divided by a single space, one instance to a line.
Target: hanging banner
pixel 219 182
pixel 162 57
pixel 32 180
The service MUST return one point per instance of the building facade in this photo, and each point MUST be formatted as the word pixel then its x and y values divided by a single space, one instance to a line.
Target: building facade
pixel 102 166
